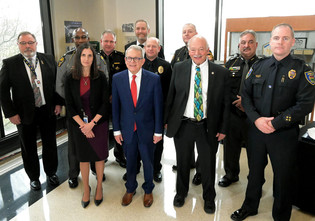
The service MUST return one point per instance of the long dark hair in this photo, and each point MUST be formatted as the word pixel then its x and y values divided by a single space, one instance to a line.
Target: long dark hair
pixel 77 70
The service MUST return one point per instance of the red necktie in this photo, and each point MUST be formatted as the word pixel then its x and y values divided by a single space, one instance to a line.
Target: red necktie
pixel 134 94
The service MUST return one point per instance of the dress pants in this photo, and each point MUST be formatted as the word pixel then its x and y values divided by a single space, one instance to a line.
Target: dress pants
pixel 188 134
pixel 74 164
pixel 146 151
pixel 28 137
pixel 233 142
pixel 282 149
pixel 157 166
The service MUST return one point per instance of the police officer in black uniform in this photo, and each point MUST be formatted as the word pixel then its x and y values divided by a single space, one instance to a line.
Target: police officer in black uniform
pixel 278 93
pixel 182 54
pixel 66 62
pixel 115 61
pixel 163 68
pixel 236 137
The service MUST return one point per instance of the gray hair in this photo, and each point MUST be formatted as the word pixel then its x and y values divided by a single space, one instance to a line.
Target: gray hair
pixel 137 48
pixel 192 25
pixel 78 29
pixel 26 33
pixel 142 20
pixel 108 31
pixel 153 38
pixel 283 25
pixel 248 31
pixel 199 37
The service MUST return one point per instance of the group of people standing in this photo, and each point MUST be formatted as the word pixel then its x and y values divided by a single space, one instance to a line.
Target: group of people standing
pixel 253 102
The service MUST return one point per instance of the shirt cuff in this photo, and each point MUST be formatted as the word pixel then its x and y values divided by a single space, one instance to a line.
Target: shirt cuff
pixel 158 135
pixel 116 133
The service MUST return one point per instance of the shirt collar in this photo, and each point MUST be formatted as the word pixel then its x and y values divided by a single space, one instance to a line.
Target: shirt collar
pixel 204 64
pixel 137 74
pixel 33 58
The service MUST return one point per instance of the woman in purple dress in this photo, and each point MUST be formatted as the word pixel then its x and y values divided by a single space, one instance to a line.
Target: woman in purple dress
pixel 87 102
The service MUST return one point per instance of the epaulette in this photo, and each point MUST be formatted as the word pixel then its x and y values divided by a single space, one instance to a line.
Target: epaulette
pixel 119 53
pixel 62 59
pixel 234 56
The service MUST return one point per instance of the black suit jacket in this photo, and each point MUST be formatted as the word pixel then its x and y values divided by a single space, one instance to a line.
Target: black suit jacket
pixel 160 55
pixel 13 75
pixel 99 97
pixel 218 98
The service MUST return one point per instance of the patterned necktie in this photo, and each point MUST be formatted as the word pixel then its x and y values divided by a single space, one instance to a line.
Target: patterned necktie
pixel 198 105
pixel 134 94
pixel 37 95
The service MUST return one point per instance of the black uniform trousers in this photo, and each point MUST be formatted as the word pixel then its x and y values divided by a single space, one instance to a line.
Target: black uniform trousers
pixel 233 142
pixel 27 134
pixel 282 149
pixel 188 134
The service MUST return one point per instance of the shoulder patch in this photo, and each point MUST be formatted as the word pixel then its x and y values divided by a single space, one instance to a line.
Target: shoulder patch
pixel 309 75
pixel 61 60
pixel 249 73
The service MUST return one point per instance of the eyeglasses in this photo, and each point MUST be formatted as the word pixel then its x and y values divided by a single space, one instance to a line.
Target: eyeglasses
pixel 29 42
pixel 82 37
pixel 135 59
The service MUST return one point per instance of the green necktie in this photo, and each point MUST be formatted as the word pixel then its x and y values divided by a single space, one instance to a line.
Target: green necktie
pixel 198 105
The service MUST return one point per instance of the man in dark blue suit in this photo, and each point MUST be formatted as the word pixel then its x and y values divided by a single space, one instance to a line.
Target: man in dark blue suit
pixel 137 103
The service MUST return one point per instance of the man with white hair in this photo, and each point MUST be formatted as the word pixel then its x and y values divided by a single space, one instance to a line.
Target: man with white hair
pixel 197 112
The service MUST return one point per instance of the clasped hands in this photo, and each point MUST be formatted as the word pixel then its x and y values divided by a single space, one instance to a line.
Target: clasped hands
pixel 86 129
pixel 264 125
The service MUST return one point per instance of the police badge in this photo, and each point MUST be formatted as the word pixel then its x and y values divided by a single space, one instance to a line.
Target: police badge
pixel 292 74
pixel 160 69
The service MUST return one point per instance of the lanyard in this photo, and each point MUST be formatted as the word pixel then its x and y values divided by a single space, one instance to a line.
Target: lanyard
pixel 31 66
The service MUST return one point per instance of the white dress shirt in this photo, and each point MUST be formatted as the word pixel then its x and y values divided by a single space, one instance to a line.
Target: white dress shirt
pixel 204 72
pixel 38 76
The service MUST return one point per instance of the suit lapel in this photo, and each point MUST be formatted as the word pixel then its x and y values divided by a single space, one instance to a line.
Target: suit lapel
pixel 187 77
pixel 126 84
pixel 211 77
pixel 143 85
pixel 23 71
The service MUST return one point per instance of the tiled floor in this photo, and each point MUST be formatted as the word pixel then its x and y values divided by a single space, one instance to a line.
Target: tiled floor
pixel 62 203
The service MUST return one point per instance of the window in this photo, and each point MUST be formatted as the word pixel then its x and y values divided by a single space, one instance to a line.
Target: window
pixel 177 13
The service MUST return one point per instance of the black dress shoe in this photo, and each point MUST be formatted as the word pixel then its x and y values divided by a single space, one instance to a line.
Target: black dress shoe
pixel 85 203
pixel 197 179
pixel 225 182
pixel 157 177
pixel 98 202
pixel 73 182
pixel 53 180
pixel 174 167
pixel 122 162
pixel 179 200
pixel 104 177
pixel 242 214
pixel 35 185
pixel 209 207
